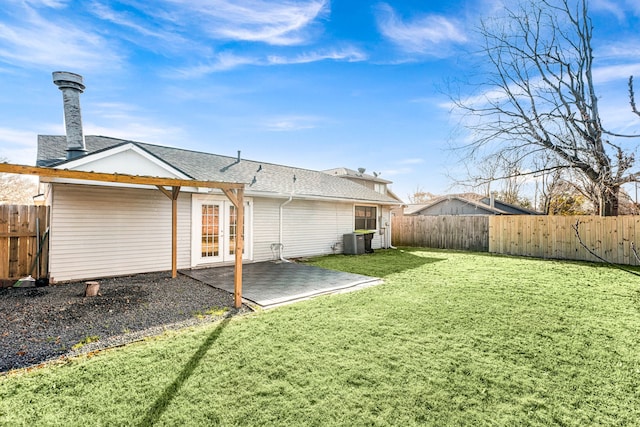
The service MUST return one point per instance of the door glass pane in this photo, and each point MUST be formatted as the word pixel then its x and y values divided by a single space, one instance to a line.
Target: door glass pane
pixel 233 229
pixel 210 230
pixel 233 226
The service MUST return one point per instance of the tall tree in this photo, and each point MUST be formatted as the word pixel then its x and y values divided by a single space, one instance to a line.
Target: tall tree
pixel 16 189
pixel 539 97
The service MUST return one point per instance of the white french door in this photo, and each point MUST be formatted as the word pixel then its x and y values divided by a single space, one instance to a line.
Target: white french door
pixel 214 230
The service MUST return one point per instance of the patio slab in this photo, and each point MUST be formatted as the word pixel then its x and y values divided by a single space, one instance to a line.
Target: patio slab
pixel 270 284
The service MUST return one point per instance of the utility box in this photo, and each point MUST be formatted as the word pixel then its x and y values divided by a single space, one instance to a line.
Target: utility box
pixel 353 243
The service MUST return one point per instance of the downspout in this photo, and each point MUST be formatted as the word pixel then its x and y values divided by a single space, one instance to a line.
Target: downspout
pixel 282 205
pixel 391 231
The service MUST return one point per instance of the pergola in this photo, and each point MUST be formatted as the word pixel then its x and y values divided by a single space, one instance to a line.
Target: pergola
pixel 170 187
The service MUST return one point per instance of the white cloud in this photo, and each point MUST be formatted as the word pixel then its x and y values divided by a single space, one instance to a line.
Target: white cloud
pixel 428 34
pixel 18 146
pixel 139 130
pixel 615 72
pixel 55 4
pixel 123 20
pixel 281 22
pixel 226 61
pixel 620 50
pixel 127 121
pixel 223 61
pixel 291 123
pixel 348 54
pixel 617 7
pixel 33 40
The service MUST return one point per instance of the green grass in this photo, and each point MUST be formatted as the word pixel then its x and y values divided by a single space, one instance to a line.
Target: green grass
pixel 450 338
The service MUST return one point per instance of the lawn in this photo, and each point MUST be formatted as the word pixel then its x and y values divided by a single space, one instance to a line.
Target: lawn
pixel 450 338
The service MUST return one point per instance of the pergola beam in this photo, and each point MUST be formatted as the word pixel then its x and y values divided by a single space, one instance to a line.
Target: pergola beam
pixel 115 177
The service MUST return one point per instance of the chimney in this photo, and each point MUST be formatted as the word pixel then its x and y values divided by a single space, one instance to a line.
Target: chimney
pixel 71 86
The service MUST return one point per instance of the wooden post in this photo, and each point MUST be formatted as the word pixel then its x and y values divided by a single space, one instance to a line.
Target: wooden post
pixel 239 249
pixel 237 198
pixel 173 195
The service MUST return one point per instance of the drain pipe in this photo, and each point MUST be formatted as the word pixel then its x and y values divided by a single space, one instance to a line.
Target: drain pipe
pixel 282 205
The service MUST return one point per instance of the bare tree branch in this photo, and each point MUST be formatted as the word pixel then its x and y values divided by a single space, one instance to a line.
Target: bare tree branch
pixel 575 228
pixel 541 99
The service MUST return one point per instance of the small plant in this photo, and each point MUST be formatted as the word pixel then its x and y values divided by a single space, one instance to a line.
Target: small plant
pixel 216 311
pixel 85 341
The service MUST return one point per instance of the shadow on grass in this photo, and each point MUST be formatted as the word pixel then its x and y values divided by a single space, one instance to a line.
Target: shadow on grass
pixel 162 402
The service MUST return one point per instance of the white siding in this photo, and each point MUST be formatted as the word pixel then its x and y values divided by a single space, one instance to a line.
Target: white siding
pixel 309 227
pixel 265 227
pixel 108 231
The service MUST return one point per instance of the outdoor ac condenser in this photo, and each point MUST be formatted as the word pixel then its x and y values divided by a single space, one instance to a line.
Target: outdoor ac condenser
pixel 353 244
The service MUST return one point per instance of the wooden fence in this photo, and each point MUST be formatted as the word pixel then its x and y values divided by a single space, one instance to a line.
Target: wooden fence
pixel 551 237
pixel 23 242
pixel 470 233
pixel 610 238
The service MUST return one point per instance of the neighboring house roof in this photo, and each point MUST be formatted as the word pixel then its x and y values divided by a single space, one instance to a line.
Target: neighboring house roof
pixel 509 208
pixel 470 204
pixel 260 178
pixel 436 206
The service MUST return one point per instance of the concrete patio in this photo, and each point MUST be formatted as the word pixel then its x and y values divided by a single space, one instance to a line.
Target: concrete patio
pixel 270 284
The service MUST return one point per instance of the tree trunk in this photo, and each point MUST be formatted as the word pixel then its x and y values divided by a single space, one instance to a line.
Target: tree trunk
pixel 609 201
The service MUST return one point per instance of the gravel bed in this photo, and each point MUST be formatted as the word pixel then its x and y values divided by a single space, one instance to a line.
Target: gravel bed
pixel 42 324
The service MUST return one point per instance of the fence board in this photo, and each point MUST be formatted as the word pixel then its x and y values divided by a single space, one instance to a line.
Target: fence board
pixel 525 235
pixel 554 237
pixel 19 241
pixel 442 232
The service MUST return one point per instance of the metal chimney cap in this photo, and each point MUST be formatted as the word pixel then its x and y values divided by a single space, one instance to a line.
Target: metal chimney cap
pixel 65 79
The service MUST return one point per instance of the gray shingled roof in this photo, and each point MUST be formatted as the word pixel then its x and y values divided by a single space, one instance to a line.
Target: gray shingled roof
pixel 259 177
pixel 415 209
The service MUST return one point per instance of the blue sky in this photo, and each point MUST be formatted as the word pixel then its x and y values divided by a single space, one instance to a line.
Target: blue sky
pixel 316 84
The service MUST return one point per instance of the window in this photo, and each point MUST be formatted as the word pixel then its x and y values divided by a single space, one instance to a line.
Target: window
pixel 366 217
pixel 380 188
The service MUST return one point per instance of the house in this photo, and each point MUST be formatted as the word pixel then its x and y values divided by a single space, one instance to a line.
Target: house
pixel 466 205
pixel 373 182
pixel 100 229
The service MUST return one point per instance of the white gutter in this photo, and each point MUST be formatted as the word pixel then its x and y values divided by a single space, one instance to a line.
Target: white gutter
pixel 322 198
pixel 280 244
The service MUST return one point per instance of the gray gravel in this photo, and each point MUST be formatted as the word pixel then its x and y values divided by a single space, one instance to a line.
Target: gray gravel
pixel 42 324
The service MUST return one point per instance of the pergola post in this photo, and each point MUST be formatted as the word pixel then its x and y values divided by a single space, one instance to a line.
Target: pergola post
pixel 173 195
pixel 237 198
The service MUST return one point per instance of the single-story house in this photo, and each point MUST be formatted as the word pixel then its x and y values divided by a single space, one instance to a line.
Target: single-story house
pixel 466 205
pixel 100 229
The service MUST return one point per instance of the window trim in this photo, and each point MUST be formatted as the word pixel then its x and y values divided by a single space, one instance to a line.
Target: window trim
pixel 365 219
